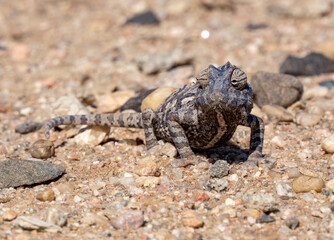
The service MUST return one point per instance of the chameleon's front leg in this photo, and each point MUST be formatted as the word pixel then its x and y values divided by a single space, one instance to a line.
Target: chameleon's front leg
pixel 187 156
pixel 148 116
pixel 257 135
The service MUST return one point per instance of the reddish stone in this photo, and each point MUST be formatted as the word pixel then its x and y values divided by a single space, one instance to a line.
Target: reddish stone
pixel 201 196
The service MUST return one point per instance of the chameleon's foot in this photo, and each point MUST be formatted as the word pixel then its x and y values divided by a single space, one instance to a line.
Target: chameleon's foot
pixel 183 162
pixel 255 154
pixel 254 158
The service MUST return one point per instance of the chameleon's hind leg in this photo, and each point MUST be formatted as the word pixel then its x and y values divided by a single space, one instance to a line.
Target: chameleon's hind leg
pixel 148 116
pixel 187 156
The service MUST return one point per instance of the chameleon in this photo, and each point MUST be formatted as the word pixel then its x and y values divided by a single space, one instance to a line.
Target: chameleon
pixel 198 116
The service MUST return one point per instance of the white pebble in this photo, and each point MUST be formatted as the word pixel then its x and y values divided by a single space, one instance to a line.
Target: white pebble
pixel 205 34
pixel 278 141
pixel 77 199
pixel 234 177
pixel 229 202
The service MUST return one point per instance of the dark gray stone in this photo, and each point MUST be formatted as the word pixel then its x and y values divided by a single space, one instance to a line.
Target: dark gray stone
pixel 219 169
pixel 292 223
pixel 275 89
pixel 267 219
pixel 145 18
pixel 28 127
pixel 18 172
pixel 311 64
pixel 329 84
pixel 135 102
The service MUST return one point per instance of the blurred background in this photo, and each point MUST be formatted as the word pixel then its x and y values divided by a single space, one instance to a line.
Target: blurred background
pixel 53 48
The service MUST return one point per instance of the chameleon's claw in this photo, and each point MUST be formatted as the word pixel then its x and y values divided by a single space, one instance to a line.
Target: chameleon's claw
pixel 183 162
pixel 255 154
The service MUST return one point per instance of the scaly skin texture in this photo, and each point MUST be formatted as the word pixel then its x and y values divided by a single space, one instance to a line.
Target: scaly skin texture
pixel 199 116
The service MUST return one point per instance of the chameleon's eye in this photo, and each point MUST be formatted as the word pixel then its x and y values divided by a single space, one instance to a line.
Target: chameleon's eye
pixel 238 79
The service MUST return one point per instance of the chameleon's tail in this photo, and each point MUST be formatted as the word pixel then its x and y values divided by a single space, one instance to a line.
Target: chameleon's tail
pixel 133 120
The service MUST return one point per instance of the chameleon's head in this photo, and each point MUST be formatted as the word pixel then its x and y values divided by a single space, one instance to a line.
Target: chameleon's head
pixel 225 86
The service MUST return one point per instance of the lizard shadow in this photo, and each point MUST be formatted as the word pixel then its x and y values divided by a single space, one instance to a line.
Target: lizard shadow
pixel 233 154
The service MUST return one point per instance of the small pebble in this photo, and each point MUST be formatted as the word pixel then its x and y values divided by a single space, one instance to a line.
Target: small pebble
pixel 267 219
pixel 219 169
pixel 331 206
pixel 279 112
pixel 278 141
pixel 329 84
pixel 328 144
pixel 306 184
pixel 229 202
pixel 148 181
pixel 284 190
pixel 201 196
pixel 218 185
pixel 251 212
pixel 292 223
pixel 47 195
pixel 132 219
pixel 56 217
pixel 330 185
pixel 191 219
pixel 42 149
pixel 91 219
pixel 28 127
pixel 263 201
pixel 34 223
pixel 9 215
pixel 293 173
pixel 147 167
pixel 307 119
pixel 315 92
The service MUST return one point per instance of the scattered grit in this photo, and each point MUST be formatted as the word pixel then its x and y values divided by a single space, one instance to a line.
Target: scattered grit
pixel 65 57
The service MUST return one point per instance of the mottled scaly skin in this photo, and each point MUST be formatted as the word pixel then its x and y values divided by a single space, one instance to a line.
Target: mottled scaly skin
pixel 200 116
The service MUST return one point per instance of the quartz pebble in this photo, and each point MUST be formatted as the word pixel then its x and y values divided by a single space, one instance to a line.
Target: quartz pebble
pixel 191 219
pixel 9 215
pixel 328 144
pixel 93 136
pixel 68 105
pixel 278 141
pixel 306 184
pixel 284 190
pixel 47 195
pixel 132 219
pixel 34 223
pixel 56 217
pixel 42 149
